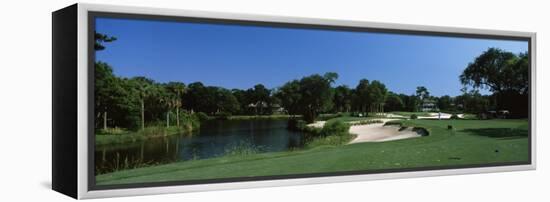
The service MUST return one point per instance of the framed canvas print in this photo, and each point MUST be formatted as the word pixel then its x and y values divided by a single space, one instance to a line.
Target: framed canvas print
pixel 150 101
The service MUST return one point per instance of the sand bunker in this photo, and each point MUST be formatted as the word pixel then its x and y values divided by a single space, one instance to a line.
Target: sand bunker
pixel 380 133
pixel 317 124
pixel 376 132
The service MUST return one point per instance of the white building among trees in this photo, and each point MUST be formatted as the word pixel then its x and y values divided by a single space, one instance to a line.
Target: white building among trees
pixel 428 105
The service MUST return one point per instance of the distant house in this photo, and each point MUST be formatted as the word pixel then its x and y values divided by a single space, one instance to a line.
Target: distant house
pixel 428 105
pixel 261 106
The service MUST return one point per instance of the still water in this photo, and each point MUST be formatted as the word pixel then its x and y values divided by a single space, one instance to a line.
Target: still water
pixel 214 138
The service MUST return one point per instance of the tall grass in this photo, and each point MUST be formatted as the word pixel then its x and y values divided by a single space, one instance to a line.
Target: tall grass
pixel 188 123
pixel 242 148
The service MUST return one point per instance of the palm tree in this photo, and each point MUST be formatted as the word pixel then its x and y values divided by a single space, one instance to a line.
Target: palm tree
pixel 170 102
pixel 178 89
pixel 144 89
pixel 176 103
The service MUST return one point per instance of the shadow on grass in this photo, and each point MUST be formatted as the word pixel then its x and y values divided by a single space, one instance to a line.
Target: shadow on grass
pixel 503 133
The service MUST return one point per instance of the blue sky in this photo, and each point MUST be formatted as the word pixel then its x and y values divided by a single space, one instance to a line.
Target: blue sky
pixel 234 56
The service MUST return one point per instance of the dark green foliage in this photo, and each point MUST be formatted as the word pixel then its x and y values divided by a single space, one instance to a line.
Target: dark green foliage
pixel 308 96
pixel 100 39
pixel 503 73
pixel 421 131
pixel 115 97
pixel 210 99
pixel 223 115
pixel 189 122
pixel 369 96
pixel 335 128
pixel 259 96
pixel 411 102
pixel 366 122
pixel 445 103
pixel 393 123
pixel 414 116
pixel 422 92
pixel 473 102
pixel 362 99
pixel 202 116
pixel 290 96
pixel 342 99
pixel 394 103
pixel 225 101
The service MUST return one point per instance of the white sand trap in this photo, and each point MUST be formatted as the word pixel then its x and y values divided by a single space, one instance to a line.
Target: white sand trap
pixel 376 132
pixel 317 124
pixel 379 133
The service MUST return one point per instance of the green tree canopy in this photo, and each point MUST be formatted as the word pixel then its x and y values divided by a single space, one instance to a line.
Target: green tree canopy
pixel 422 92
pixel 100 39
pixel 394 103
pixel 362 97
pixel 289 95
pixel 503 73
pixel 309 96
pixel 498 71
pixel 342 98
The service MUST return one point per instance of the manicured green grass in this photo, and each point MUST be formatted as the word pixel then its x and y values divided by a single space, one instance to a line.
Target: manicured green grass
pixel 351 118
pixel 470 142
pixel 469 116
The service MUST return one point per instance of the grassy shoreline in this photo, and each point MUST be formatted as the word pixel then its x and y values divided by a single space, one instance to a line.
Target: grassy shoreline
pixel 124 137
pixel 469 142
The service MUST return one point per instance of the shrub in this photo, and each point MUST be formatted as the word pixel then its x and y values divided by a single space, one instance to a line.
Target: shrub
pixel 414 116
pixel 333 133
pixel 393 123
pixel 421 131
pixel 202 116
pixel 223 115
pixel 335 128
pixel 153 131
pixel 366 122
pixel 454 116
pixel 189 121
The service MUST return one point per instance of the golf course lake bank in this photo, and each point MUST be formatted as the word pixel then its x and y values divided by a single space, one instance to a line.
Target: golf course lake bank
pixel 214 138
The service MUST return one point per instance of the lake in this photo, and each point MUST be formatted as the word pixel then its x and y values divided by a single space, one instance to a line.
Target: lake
pixel 214 138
